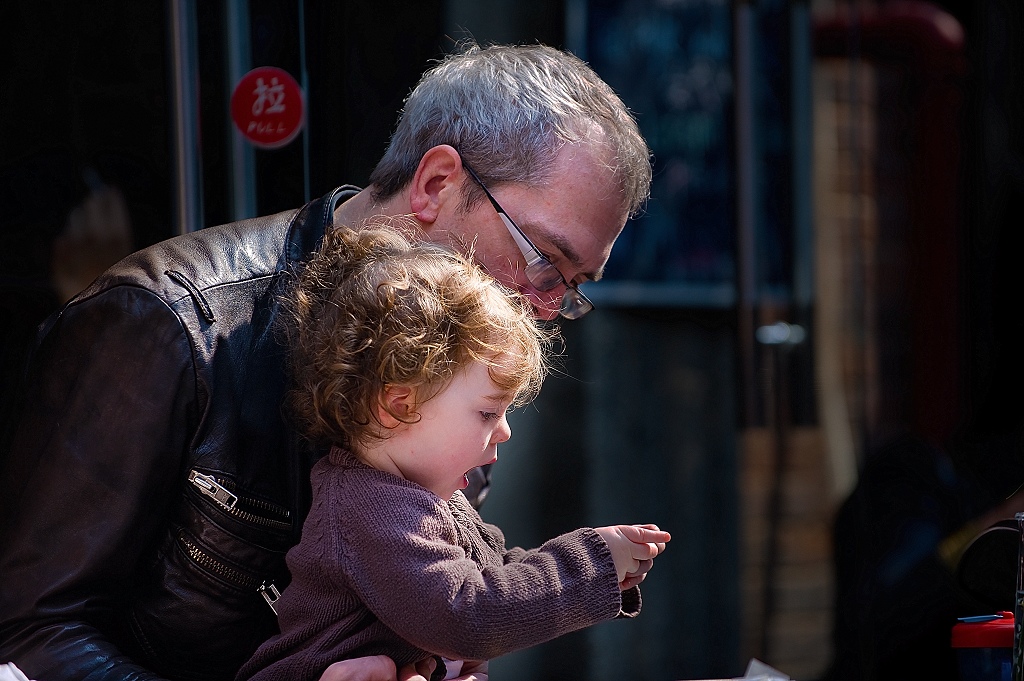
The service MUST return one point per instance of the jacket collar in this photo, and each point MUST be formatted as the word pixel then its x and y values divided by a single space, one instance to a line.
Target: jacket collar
pixel 312 221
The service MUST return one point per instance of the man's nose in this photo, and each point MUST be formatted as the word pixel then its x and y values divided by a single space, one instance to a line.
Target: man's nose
pixel 546 304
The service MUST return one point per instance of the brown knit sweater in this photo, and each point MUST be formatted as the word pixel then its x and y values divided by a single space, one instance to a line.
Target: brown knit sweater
pixel 386 567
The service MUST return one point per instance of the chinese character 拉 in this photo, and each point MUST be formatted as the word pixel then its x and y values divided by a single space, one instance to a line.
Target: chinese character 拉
pixel 272 96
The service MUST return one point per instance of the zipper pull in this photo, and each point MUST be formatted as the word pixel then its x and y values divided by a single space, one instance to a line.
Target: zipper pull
pixel 211 488
pixel 270 594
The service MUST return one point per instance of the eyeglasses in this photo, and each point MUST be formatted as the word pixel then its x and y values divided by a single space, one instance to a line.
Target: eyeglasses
pixel 539 271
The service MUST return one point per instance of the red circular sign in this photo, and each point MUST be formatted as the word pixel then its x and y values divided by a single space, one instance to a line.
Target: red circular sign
pixel 268 107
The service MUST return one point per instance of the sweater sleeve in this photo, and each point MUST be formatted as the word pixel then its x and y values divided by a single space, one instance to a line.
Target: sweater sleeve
pixel 493 536
pixel 400 552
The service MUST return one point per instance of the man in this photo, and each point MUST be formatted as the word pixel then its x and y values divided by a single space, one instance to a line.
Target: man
pixel 153 486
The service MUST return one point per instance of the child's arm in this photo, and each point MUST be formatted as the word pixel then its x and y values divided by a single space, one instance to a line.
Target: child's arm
pixel 635 567
pixel 404 561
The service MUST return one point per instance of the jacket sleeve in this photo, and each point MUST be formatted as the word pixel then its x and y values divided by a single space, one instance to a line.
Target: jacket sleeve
pixel 420 583
pixel 88 481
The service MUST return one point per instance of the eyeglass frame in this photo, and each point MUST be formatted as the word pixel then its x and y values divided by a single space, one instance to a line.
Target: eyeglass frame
pixel 574 303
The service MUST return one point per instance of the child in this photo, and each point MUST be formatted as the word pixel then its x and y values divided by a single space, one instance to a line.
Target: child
pixel 406 358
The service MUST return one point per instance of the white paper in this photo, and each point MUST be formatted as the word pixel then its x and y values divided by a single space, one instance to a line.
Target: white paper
pixel 10 672
pixel 762 672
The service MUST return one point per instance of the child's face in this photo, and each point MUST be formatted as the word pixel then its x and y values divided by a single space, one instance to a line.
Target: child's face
pixel 459 430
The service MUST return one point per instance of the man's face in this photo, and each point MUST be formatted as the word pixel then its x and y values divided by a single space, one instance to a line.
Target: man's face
pixel 573 220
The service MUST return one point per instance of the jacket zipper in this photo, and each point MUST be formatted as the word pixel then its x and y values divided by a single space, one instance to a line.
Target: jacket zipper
pixel 211 564
pixel 229 501
pixel 232 575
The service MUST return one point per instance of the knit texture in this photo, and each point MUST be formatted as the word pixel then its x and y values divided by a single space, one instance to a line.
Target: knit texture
pixel 384 566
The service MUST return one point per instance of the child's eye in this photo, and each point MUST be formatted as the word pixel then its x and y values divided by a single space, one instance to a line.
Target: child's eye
pixel 489 415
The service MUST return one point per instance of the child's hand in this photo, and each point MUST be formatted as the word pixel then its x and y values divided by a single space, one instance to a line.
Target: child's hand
pixel 633 548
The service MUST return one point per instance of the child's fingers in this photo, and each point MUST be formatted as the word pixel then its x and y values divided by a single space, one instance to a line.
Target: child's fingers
pixel 661 544
pixel 643 567
pixel 632 580
pixel 651 526
pixel 634 577
pixel 643 552
pixel 645 534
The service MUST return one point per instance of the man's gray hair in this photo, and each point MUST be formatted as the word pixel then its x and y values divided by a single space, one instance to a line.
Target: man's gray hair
pixel 508 110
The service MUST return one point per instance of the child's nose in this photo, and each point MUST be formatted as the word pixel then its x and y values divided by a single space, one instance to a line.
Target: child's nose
pixel 503 432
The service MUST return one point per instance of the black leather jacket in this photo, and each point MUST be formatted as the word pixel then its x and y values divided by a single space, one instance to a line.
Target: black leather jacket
pixel 153 487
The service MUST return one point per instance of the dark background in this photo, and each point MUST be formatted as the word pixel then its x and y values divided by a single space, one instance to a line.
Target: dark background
pixel 84 88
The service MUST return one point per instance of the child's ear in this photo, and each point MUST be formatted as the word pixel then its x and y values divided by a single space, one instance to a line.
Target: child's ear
pixel 397 404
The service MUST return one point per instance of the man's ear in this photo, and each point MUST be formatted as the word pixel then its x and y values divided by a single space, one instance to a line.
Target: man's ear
pixel 396 406
pixel 438 179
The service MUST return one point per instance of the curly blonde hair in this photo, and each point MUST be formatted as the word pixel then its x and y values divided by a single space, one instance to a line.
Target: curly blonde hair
pixel 374 307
